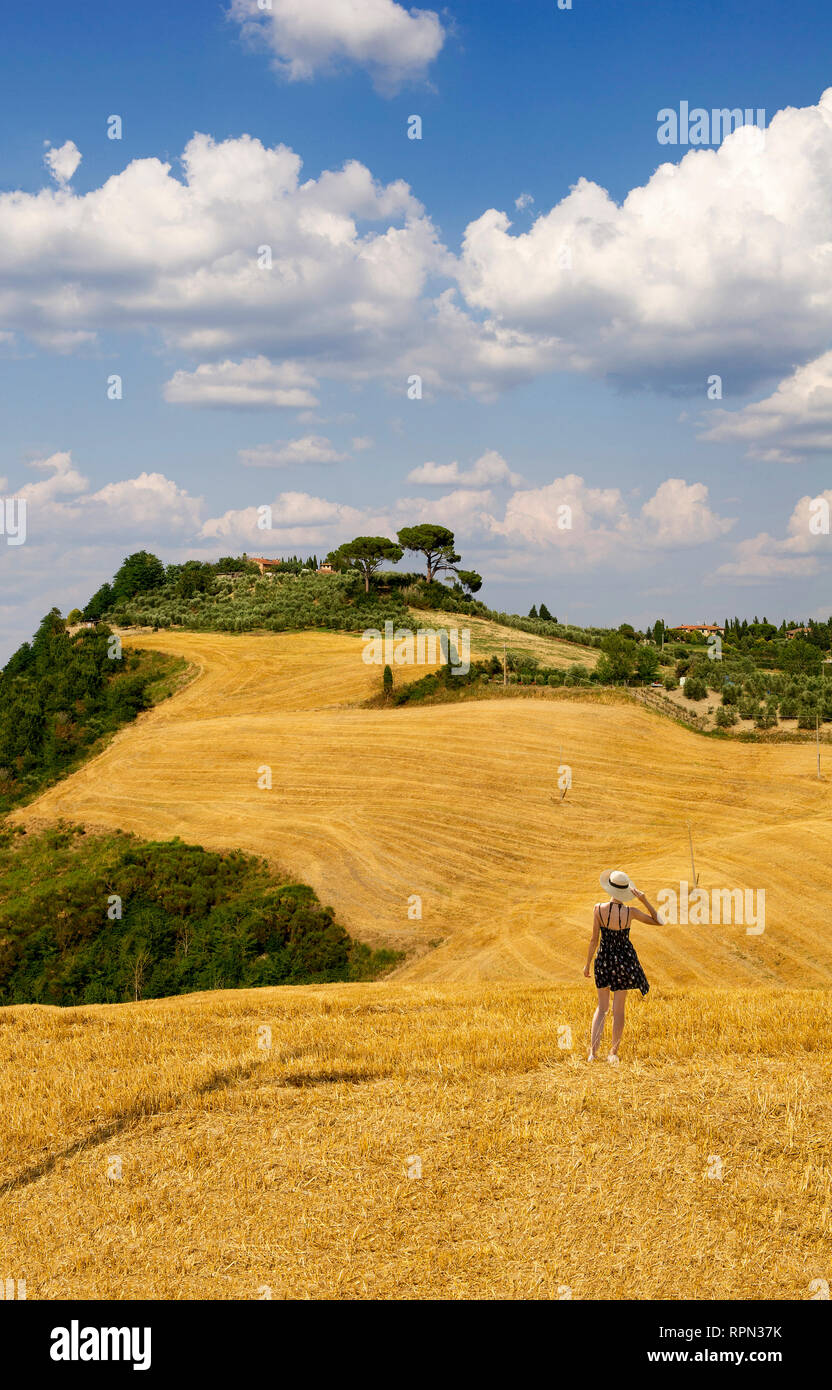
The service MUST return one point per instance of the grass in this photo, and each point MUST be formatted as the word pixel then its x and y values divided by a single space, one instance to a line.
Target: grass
pixel 245 1169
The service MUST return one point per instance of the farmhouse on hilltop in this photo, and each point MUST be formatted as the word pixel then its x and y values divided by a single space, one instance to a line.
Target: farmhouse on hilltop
pixel 704 628
pixel 265 566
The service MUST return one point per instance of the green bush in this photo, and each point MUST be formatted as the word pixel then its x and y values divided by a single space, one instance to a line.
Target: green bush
pixel 725 717
pixel 190 920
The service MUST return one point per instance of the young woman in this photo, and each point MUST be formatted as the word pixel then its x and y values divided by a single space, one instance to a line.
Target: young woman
pixel 617 967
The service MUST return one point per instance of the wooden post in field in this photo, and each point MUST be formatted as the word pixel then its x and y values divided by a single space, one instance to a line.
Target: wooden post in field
pixel 692 862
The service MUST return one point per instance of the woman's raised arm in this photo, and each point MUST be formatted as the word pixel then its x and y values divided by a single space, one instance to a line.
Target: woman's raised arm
pixel 642 916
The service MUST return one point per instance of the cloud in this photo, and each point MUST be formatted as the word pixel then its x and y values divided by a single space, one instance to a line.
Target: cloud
pixel 464 509
pixel 392 43
pixel 798 554
pixel 762 557
pixel 64 480
pixel 590 526
pixel 63 503
pixel 312 448
pixel 298 518
pixel 240 260
pixel 491 467
pixel 523 202
pixel 679 514
pixel 719 263
pixel 795 421
pixel 149 502
pixel 255 383
pixel 537 516
pixel 63 162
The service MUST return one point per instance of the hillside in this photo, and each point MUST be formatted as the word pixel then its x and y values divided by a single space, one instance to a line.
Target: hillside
pixel 459 806
pixel 487 639
pixel 180 1151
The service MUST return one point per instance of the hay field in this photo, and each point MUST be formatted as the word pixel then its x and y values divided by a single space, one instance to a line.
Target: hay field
pixel 157 1150
pixel 458 805
pixel 488 638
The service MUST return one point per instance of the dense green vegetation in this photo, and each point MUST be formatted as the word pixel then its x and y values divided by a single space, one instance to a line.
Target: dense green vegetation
pixel 60 695
pixel 270 602
pixel 747 694
pixel 522 669
pixel 96 919
pixel 754 694
pixel 231 595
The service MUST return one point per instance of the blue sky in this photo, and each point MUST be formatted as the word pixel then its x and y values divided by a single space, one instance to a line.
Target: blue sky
pixel 544 383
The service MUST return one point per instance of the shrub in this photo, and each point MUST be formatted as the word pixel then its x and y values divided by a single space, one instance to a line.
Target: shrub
pixel 192 920
pixel 725 717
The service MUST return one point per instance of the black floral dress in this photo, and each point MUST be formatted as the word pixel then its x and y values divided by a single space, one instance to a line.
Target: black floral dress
pixel 616 965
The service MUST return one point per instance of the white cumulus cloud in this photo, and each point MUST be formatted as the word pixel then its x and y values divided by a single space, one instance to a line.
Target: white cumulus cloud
pixel 718 264
pixel 801 552
pixel 63 161
pixel 489 468
pixel 306 37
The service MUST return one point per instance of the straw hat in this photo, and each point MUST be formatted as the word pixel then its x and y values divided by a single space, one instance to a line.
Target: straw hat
pixel 618 885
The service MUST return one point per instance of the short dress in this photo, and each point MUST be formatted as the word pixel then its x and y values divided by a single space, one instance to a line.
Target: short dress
pixel 616 965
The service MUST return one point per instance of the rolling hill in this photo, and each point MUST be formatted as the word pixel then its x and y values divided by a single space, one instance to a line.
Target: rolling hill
pixel 458 806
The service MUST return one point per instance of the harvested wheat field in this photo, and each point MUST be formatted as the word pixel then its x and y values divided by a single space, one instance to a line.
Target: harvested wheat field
pixel 458 805
pixel 488 639
pixel 179 1150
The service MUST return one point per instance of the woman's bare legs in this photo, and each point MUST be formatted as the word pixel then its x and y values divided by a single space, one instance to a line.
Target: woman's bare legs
pixel 598 1019
pixel 619 1004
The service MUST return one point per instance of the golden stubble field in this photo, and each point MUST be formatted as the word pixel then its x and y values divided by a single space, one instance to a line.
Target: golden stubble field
pixel 458 806
pixel 268 1143
pixel 439 1134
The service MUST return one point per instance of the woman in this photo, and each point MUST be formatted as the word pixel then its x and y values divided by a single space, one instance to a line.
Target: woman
pixel 617 967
